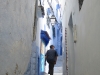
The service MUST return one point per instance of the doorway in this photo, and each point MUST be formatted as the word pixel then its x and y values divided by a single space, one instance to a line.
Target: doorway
pixel 71 56
pixel 42 58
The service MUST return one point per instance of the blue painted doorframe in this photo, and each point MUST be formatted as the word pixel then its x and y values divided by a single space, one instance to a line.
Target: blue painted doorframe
pixel 41 65
pixel 44 42
pixel 42 58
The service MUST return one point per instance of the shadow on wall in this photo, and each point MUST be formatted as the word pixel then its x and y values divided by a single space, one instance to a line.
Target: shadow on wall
pixel 71 52
pixel 32 68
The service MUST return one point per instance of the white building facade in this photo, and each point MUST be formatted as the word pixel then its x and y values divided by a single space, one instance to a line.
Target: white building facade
pixel 81 18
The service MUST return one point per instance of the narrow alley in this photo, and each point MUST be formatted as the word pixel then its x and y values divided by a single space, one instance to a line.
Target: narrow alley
pixel 28 28
pixel 58 69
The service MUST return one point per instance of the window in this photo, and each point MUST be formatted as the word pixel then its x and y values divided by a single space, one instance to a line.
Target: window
pixel 53 29
pixel 80 4
pixel 48 21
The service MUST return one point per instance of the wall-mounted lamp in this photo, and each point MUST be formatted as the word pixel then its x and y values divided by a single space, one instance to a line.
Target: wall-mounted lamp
pixel 53 20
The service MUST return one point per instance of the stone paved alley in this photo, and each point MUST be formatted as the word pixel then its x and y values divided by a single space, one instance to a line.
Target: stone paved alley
pixel 58 67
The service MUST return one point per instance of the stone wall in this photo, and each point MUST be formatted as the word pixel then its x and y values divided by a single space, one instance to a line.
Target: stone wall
pixel 16 35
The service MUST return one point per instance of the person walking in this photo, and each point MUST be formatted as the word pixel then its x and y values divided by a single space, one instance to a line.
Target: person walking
pixel 51 57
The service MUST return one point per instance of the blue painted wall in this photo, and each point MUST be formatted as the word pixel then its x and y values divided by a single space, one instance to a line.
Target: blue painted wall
pixel 57 41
